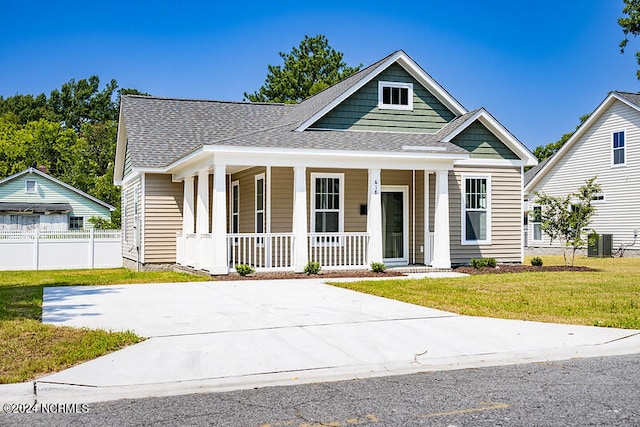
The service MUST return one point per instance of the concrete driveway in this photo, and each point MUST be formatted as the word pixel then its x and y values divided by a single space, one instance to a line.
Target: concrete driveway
pixel 214 336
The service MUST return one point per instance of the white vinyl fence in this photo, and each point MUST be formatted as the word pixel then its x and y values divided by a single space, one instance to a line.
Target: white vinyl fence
pixel 57 250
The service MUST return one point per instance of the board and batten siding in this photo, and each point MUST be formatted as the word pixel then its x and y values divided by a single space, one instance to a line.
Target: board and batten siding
pixel 48 191
pixel 130 190
pixel 506 215
pixel 163 201
pixel 360 111
pixel 619 213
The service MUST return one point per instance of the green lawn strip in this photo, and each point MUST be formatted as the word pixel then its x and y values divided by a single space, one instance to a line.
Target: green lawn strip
pixel 602 298
pixel 29 349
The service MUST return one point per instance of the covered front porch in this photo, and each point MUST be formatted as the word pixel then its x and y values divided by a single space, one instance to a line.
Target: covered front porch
pixel 277 217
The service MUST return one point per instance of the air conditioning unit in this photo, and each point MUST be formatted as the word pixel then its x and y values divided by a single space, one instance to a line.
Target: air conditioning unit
pixel 600 247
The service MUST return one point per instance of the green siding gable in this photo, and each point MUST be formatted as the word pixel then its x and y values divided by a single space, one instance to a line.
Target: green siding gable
pixel 360 111
pixel 48 191
pixel 127 161
pixel 482 143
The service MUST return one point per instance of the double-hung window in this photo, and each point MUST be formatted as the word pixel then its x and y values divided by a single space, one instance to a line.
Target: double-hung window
pixel 476 212
pixel 618 146
pixel 536 224
pixel 328 205
pixel 260 207
pixel 395 95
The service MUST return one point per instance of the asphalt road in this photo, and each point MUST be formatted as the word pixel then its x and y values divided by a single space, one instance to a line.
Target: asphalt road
pixel 597 391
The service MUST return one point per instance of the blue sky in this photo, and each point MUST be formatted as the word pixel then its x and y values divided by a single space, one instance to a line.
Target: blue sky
pixel 535 65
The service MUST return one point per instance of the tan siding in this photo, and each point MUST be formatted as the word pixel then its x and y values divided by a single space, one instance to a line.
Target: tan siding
pixel 163 218
pixel 281 200
pixel 506 216
pixel 128 232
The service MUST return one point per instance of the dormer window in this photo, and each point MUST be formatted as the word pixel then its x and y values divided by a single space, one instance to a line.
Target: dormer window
pixel 30 187
pixel 395 95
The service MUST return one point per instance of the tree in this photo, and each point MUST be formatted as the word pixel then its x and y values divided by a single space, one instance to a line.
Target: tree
pixel 544 151
pixel 566 218
pixel 307 70
pixel 81 101
pixel 73 133
pixel 630 25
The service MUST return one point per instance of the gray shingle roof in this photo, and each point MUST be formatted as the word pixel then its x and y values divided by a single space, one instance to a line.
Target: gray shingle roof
pixel 634 98
pixel 528 175
pixel 162 130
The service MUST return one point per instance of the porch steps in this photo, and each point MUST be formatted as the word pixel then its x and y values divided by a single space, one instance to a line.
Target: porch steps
pixel 419 269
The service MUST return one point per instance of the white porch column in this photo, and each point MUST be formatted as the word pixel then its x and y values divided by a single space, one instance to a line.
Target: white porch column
pixel 300 245
pixel 202 219
pixel 219 264
pixel 441 250
pixel 187 207
pixel 427 240
pixel 374 217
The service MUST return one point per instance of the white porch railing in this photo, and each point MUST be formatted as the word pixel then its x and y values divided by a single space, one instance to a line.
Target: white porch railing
pixel 339 250
pixel 262 251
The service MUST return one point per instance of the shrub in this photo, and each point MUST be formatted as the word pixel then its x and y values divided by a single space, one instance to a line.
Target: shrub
pixel 483 262
pixel 536 261
pixel 244 269
pixel 312 267
pixel 378 267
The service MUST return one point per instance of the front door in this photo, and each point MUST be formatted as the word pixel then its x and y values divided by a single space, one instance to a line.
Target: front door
pixel 395 221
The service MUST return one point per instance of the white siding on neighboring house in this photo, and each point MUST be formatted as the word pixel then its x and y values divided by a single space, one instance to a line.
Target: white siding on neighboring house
pixel 591 155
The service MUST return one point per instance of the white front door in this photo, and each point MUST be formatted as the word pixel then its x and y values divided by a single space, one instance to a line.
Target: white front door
pixel 395 225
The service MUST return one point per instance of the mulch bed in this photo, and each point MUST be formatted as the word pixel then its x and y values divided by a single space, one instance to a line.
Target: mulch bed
pixel 516 268
pixel 322 275
pixel 349 274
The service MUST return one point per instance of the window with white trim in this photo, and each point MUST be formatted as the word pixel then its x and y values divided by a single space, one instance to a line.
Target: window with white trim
pixel 327 205
pixel 235 210
pixel 536 224
pixel 395 95
pixel 476 213
pixel 618 157
pixel 260 204
pixel 30 186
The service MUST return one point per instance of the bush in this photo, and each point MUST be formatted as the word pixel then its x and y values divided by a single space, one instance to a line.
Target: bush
pixel 378 267
pixel 312 267
pixel 244 269
pixel 483 262
pixel 536 261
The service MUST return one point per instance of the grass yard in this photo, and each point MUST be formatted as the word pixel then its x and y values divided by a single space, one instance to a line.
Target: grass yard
pixel 609 297
pixel 29 349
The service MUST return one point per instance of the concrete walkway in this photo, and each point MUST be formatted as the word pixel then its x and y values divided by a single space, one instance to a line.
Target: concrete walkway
pixel 215 336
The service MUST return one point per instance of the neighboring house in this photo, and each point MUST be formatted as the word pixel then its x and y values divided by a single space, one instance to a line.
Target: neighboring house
pixel 32 199
pixel 606 145
pixel 384 166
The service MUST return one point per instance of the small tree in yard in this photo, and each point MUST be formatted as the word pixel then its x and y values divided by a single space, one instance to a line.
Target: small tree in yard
pixel 565 218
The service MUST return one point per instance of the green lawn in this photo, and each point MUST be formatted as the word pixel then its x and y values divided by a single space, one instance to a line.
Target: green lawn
pixel 29 349
pixel 609 297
